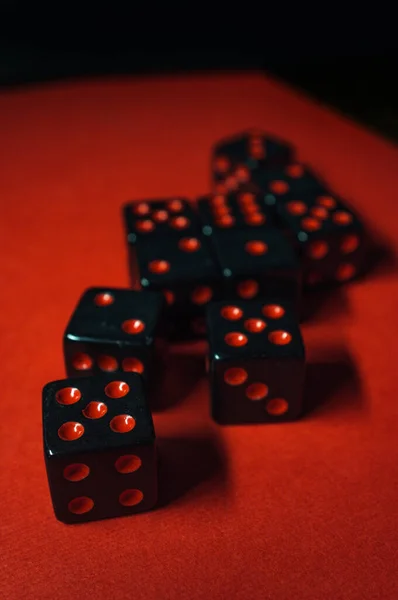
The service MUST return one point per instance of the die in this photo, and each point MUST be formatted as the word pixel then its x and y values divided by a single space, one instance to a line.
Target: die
pixel 328 235
pixel 282 185
pixel 115 330
pixel 259 263
pixel 234 158
pixel 99 447
pixel 149 218
pixel 256 362
pixel 242 210
pixel 183 269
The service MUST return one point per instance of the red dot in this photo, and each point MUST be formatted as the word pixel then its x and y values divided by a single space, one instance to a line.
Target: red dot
pixel 68 395
pixel 280 338
pixel 122 424
pixel 235 376
pixel 202 294
pixel 279 187
pixel 107 363
pixel 141 209
pixel 250 209
pixel 133 365
pixel 246 198
pixel 81 505
pixel 71 430
pixel 175 206
pixel 179 222
pixel 220 188
pixel 277 407
pixel 295 171
pixel 242 174
pixel 117 389
pixel 82 362
pixel 232 313
pixel 231 183
pixel 236 339
pixel 326 201
pixel 273 311
pixel 255 325
pixel 133 326
pixel 189 244
pixel 255 219
pixel 320 212
pixel 257 391
pixel 345 272
pixel 247 289
pixel 104 299
pixel 145 226
pixel 131 497
pixel 169 296
pixel 95 410
pixel 296 208
pixel 349 244
pixel 76 472
pixel 257 152
pixel 226 221
pixel 310 224
pixel 221 211
pixel 256 247
pixel 318 250
pixel 160 216
pixel 221 164
pixel 159 266
pixel 342 217
pixel 128 463
pixel 218 200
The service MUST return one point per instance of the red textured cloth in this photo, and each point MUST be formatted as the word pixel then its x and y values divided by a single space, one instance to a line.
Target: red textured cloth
pixel 306 510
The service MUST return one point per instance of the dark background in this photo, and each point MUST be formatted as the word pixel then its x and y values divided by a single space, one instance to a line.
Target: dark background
pixel 347 61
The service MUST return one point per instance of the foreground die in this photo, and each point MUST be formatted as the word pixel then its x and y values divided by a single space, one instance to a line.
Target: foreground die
pixel 241 210
pixel 328 235
pixel 114 330
pixel 183 269
pixel 256 362
pixel 99 447
pixel 255 264
pixel 234 158
pixel 149 218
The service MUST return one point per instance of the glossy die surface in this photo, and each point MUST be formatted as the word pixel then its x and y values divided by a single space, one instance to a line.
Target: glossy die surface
pixel 279 185
pixel 183 269
pixel 256 362
pixel 235 157
pixel 241 210
pixel 149 218
pixel 113 330
pixel 99 447
pixel 256 264
pixel 329 236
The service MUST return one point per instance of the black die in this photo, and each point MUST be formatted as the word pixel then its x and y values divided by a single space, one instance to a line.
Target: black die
pixel 114 330
pixel 184 270
pixel 99 447
pixel 328 235
pixel 256 362
pixel 255 264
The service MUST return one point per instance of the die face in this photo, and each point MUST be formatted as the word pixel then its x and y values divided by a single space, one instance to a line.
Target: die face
pixel 260 263
pixel 257 328
pixel 257 362
pixel 96 485
pixel 91 414
pixel 279 185
pixel 149 218
pixel 109 315
pixel 263 391
pixel 243 210
pixel 329 236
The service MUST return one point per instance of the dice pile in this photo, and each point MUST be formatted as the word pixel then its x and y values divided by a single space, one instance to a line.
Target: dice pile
pixel 232 268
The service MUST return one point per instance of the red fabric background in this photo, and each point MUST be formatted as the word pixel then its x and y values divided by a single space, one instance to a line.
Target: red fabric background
pixel 306 510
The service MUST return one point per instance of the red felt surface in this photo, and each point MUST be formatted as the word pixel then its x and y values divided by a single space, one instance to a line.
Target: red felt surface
pixel 306 510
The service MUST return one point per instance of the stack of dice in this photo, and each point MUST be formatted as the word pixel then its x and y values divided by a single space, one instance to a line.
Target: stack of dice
pixel 232 268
